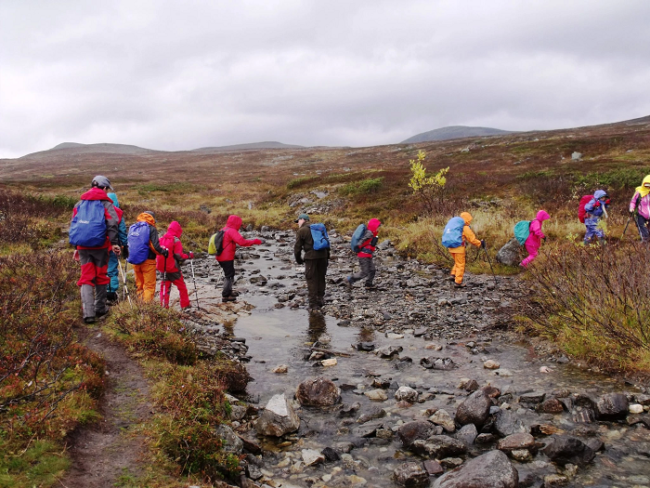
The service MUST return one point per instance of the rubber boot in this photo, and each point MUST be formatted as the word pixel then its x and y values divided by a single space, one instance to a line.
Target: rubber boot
pixel 88 302
pixel 100 301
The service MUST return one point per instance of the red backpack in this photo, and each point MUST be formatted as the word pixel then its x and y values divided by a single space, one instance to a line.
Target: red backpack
pixel 581 209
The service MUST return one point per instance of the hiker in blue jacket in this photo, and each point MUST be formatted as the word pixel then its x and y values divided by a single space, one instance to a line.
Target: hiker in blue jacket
pixel 122 235
pixel 595 209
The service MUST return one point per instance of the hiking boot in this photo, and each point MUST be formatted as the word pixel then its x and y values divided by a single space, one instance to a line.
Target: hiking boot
pixel 370 287
pixel 452 278
pixel 101 315
pixel 111 298
pixel 229 299
pixel 459 285
pixel 89 320
pixel 234 293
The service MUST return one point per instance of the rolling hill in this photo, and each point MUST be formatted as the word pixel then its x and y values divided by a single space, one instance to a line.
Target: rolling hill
pixel 455 132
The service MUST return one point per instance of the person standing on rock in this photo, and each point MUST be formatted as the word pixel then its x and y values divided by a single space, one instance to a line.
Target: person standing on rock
pixel 231 239
pixel 315 263
pixel 144 246
pixel 94 231
pixel 170 266
pixel 640 204
pixel 458 252
pixel 113 275
pixel 366 256
pixel 535 237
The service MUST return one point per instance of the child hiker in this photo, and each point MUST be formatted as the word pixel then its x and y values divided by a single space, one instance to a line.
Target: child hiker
pixel 595 209
pixel 170 266
pixel 641 204
pixel 455 237
pixel 535 237
pixel 367 249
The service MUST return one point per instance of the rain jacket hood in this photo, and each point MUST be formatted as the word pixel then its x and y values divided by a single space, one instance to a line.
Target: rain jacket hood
pixel 643 190
pixel 467 217
pixel 174 230
pixel 373 225
pixel 234 222
pixel 598 194
pixel 113 197
pixel 95 194
pixel 542 215
pixel 145 217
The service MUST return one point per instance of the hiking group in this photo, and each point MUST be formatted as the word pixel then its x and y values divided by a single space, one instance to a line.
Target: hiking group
pixel 100 236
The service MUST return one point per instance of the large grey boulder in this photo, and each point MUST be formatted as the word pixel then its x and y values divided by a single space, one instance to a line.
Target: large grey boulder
pixel 474 410
pixel 491 470
pixel 510 254
pixel 568 450
pixel 318 392
pixel 278 418
pixel 612 406
pixel 230 441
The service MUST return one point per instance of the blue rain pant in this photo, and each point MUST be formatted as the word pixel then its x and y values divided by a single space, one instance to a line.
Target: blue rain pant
pixel 591 224
pixel 113 274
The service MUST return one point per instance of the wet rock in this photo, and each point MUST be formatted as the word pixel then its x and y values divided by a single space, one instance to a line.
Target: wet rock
pixel 555 481
pixel 564 449
pixel 506 373
pixel 230 441
pixel 612 406
pixel 329 362
pixel 416 430
pixel 375 413
pixel 521 455
pixel 420 332
pixel 442 418
pixel 551 405
pixel 411 475
pixel 638 419
pixel 331 455
pixel 387 352
pixel 441 364
pixel 318 392
pixel 522 440
pixel 253 471
pixel 439 446
pixel 594 443
pixel 507 423
pixel 485 438
pixel 433 467
pixel 635 408
pixel 583 415
pixel 474 410
pixel 545 429
pixel 468 384
pixel 281 369
pixel 509 254
pixel 491 364
pixel 278 418
pixel 493 469
pixel 238 412
pixel 364 346
pixel 491 391
pixel 467 434
pixel 349 410
pixel 376 395
pixel 405 393
pixel 311 457
pixel 532 398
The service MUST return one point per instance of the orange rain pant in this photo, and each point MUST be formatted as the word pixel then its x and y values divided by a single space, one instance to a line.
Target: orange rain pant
pixel 145 280
pixel 459 266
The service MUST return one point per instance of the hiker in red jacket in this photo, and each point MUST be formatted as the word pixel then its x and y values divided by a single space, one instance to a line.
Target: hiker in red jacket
pixel 94 258
pixel 535 237
pixel 368 247
pixel 231 239
pixel 170 266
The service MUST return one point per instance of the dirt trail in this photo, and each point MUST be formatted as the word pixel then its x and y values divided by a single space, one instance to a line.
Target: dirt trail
pixel 102 452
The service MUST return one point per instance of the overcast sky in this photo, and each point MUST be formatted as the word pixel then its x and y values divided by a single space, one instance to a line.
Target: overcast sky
pixel 185 74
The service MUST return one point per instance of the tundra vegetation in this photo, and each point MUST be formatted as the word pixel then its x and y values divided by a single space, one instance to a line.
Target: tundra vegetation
pixel 592 301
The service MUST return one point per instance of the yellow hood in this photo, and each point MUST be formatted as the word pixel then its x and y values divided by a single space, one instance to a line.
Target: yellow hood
pixel 643 190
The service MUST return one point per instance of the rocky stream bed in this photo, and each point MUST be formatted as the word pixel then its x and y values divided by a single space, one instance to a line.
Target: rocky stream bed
pixel 414 384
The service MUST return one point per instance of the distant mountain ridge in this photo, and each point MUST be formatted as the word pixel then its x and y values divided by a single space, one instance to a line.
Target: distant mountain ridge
pixel 455 132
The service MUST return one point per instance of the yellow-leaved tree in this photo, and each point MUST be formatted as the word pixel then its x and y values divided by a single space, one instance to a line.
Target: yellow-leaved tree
pixel 429 189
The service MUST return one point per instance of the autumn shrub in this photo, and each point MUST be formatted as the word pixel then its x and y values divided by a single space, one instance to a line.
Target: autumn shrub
pixel 363 187
pixel 595 303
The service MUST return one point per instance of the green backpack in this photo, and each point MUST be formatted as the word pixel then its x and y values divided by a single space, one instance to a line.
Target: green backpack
pixel 522 231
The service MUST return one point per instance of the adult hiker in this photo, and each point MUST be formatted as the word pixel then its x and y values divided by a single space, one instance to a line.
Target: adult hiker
pixel 640 204
pixel 594 210
pixel 315 261
pixel 231 239
pixel 534 240
pixel 113 275
pixel 144 246
pixel 366 248
pixel 456 235
pixel 170 266
pixel 94 231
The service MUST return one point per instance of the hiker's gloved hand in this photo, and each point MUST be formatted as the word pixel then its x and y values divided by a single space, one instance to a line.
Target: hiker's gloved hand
pixel 483 245
pixel 256 242
pixel 597 204
pixel 116 249
pixel 125 252
pixel 191 255
pixel 608 201
pixel 544 238
pixel 631 212
pixel 165 253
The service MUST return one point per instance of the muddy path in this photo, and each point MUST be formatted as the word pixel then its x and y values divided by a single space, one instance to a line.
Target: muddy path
pixel 441 340
pixel 104 451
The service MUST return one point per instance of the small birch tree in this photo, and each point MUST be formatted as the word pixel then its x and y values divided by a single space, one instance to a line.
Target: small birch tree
pixel 429 189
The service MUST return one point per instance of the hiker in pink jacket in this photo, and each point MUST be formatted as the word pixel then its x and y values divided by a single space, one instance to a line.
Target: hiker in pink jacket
pixel 535 238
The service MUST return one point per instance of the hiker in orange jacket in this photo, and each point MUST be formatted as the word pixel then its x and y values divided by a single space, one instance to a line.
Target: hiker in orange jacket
pixel 458 253
pixel 145 270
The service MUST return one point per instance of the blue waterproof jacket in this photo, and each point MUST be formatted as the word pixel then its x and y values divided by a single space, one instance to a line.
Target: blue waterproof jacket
pixel 591 208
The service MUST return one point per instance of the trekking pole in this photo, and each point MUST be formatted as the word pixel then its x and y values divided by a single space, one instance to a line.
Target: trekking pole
pixel 126 288
pixel 196 291
pixel 625 230
pixel 491 268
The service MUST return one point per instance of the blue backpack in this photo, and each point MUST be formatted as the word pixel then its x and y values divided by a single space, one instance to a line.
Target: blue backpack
pixel 453 234
pixel 319 234
pixel 522 231
pixel 88 226
pixel 138 243
pixel 357 237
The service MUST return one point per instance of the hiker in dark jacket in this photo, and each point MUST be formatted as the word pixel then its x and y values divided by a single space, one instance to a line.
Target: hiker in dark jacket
pixel 94 260
pixel 366 261
pixel 113 275
pixel 231 239
pixel 315 263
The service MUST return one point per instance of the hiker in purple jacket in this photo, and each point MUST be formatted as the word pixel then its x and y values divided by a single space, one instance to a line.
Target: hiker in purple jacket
pixel 535 237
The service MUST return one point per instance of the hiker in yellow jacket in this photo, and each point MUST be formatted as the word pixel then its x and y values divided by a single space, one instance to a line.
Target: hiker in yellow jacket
pixel 458 253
